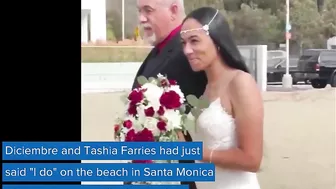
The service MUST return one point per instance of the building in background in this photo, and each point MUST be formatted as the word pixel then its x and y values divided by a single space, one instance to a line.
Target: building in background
pixel 93 20
pixel 331 43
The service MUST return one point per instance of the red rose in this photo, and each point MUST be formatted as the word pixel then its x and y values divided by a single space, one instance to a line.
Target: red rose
pixel 149 112
pixel 172 82
pixel 132 109
pixel 116 128
pixel 142 161
pixel 144 136
pixel 170 100
pixel 128 124
pixel 130 136
pixel 136 96
pixel 161 111
pixel 161 125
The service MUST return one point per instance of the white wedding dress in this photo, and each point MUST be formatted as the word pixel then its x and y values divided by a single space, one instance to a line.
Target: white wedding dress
pixel 216 129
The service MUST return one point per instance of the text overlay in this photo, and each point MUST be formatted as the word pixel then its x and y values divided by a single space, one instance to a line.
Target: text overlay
pixel 102 151
pixel 67 172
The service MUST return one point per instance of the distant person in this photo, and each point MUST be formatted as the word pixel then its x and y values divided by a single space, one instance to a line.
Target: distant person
pixel 161 22
pixel 231 128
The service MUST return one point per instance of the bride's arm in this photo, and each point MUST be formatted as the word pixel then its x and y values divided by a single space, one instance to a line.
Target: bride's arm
pixel 247 105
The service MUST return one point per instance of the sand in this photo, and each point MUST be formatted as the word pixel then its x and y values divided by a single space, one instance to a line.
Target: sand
pixel 299 135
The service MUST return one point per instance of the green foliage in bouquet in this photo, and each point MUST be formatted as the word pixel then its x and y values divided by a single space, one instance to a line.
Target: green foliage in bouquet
pixel 196 105
pixel 143 80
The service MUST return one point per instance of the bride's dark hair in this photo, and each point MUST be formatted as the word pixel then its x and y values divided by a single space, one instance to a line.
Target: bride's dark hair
pixel 220 33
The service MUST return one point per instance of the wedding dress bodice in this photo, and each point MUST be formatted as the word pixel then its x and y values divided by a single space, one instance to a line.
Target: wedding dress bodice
pixel 216 129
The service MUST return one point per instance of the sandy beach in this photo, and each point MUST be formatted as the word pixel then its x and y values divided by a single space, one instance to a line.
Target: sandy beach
pixel 299 135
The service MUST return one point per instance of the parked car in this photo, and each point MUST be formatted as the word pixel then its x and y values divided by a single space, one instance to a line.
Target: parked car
pixel 276 66
pixel 326 67
pixel 308 64
pixel 333 79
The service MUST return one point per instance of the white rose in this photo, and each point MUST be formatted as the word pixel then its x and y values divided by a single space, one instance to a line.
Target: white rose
pixel 141 113
pixel 137 126
pixel 177 89
pixel 174 119
pixel 153 94
pixel 151 124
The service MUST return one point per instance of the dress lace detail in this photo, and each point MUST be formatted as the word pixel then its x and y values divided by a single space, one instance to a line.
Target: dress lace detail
pixel 216 129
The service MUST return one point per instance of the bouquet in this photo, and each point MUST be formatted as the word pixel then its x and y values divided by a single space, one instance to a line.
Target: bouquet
pixel 156 111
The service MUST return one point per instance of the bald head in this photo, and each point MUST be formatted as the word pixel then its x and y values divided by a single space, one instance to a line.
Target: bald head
pixel 159 17
pixel 178 3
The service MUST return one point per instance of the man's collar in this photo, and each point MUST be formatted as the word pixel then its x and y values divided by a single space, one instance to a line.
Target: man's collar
pixel 169 37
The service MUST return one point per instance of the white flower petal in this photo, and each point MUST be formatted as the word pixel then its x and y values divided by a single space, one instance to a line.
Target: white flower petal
pixel 174 119
pixel 153 94
pixel 151 124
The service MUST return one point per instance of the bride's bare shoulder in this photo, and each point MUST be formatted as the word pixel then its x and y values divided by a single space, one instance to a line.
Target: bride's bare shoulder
pixel 242 79
pixel 242 85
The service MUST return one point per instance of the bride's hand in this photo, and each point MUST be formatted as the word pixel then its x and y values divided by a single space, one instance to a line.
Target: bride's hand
pixel 180 136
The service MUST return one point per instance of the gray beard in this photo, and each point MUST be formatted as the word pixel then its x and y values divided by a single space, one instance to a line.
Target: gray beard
pixel 150 39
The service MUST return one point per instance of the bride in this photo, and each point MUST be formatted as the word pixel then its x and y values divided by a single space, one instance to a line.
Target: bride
pixel 231 128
